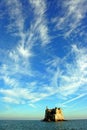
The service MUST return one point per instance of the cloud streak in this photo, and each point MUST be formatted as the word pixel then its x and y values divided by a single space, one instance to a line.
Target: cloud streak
pixel 74 99
pixel 24 75
pixel 75 77
pixel 73 15
pixel 40 20
pixel 69 78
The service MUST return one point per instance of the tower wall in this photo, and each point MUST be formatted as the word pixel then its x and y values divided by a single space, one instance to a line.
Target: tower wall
pixel 54 114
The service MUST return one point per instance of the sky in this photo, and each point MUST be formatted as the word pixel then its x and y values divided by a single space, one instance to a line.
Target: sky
pixel 43 58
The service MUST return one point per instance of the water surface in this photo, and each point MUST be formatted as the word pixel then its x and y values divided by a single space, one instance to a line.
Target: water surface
pixel 39 125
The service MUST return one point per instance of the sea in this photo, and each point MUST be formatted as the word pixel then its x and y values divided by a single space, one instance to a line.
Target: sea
pixel 40 125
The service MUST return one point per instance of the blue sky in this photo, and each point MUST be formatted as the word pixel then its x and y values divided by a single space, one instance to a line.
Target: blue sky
pixel 43 58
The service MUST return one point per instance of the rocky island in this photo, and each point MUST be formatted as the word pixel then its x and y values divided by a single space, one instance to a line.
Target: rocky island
pixel 54 114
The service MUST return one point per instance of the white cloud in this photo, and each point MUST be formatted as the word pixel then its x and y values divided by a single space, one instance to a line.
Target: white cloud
pixel 75 98
pixel 10 81
pixel 24 51
pixel 63 78
pixel 16 95
pixel 68 78
pixel 22 95
pixel 16 61
pixel 32 105
pixel 13 55
pixel 40 20
pixel 75 77
pixel 10 100
pixel 15 14
pixel 18 28
pixel 73 14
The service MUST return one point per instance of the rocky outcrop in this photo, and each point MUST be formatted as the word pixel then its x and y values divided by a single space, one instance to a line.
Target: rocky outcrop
pixel 54 114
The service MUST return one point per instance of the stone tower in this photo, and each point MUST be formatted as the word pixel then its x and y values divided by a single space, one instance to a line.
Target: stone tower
pixel 54 114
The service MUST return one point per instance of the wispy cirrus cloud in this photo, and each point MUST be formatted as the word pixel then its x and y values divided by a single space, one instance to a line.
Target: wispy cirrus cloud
pixel 10 81
pixel 20 55
pixel 26 95
pixel 16 61
pixel 15 15
pixel 65 79
pixel 75 98
pixel 71 22
pixel 16 54
pixel 69 78
pixel 18 28
pixel 11 100
pixel 59 76
pixel 41 20
pixel 75 77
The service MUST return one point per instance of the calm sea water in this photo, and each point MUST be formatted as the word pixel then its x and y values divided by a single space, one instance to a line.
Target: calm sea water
pixel 39 125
